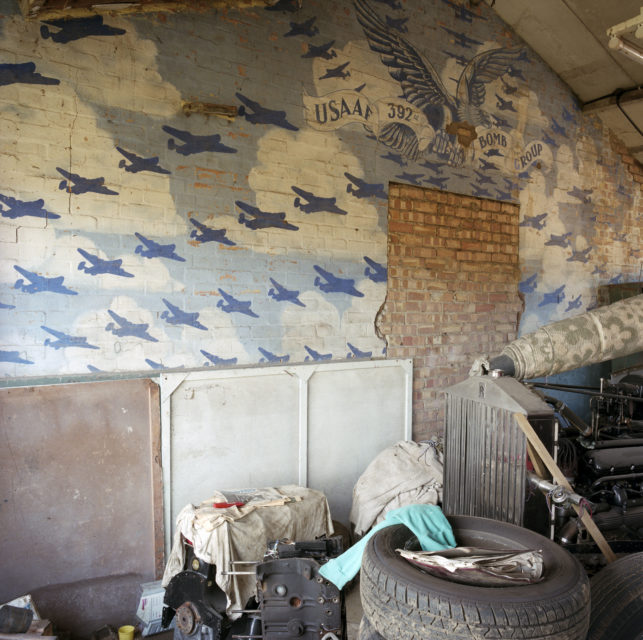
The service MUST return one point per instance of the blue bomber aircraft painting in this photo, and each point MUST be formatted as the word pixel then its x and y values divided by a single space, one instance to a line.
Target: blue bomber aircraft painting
pixel 64 340
pixel 528 285
pixel 375 271
pixel 330 283
pixel 13 356
pixel 305 28
pixel 189 144
pixel 395 157
pixel 314 203
pixel 23 73
pixel 440 183
pixel 324 51
pixel 138 163
pixel 279 293
pixel 14 208
pixel 268 356
pixel 230 304
pixel 76 184
pixel 316 356
pixel 203 234
pixel 362 189
pixel 37 283
pixel 217 360
pixel 357 353
pixel 479 192
pixel 99 265
pixel 427 121
pixel 122 327
pixel 70 29
pixel 254 218
pixel 436 93
pixel 151 249
pixel 174 315
pixel 255 113
pixel 559 240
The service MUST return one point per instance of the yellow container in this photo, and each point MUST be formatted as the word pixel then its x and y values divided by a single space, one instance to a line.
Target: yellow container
pixel 126 632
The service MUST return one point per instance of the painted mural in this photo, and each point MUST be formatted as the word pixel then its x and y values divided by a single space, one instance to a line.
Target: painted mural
pixel 135 237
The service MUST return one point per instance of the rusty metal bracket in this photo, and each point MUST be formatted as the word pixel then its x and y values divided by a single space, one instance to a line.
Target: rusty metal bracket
pixel 209 109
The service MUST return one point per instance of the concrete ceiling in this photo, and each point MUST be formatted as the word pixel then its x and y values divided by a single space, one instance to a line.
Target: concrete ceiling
pixel 571 37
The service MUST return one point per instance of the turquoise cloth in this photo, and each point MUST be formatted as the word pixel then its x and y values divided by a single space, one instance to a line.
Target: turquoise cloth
pixel 426 521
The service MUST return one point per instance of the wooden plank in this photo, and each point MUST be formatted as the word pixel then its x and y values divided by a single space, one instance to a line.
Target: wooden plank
pixel 157 477
pixel 558 476
pixel 539 467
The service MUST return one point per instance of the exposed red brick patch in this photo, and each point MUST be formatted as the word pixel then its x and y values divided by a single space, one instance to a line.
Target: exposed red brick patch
pixel 452 289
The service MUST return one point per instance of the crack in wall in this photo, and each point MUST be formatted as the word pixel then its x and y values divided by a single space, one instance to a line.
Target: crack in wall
pixel 71 135
pixel 376 323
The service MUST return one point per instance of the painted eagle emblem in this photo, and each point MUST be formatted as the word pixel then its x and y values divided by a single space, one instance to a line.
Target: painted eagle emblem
pixel 453 117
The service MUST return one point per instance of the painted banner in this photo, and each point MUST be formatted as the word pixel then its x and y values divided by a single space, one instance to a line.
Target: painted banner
pixel 340 108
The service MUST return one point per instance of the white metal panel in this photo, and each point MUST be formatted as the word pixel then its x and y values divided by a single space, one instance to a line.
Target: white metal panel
pixel 315 425
pixel 231 432
pixel 353 415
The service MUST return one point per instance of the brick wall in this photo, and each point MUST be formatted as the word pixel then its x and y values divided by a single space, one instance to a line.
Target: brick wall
pixel 301 278
pixel 452 289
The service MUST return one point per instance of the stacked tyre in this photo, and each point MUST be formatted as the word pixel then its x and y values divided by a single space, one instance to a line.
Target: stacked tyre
pixel 403 602
pixel 617 600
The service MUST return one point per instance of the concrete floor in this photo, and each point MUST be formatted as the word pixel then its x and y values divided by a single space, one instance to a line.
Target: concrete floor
pixel 353 612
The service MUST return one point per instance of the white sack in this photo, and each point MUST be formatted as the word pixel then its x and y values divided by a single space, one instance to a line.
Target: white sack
pixel 405 473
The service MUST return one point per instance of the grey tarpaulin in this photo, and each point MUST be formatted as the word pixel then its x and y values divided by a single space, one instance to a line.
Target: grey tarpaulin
pixel 221 536
pixel 405 473
pixel 595 336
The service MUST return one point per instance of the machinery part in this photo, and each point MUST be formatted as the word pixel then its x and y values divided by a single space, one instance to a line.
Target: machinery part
pixel 617 517
pixel 321 549
pixel 614 461
pixel 558 494
pixel 569 417
pixel 486 464
pixel 569 532
pixel 197 601
pixel 200 632
pixel 15 619
pixel 541 451
pixel 602 334
pixel 603 460
pixel 617 600
pixel 367 632
pixel 343 533
pixel 405 603
pixel 187 618
pixel 485 461
pixel 296 602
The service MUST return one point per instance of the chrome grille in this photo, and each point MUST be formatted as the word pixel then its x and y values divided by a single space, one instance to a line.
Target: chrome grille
pixel 485 450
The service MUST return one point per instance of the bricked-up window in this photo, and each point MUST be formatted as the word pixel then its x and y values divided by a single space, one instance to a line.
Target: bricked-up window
pixel 452 289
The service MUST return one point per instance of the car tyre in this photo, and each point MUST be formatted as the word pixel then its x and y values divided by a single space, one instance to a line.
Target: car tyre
pixel 404 602
pixel 617 600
